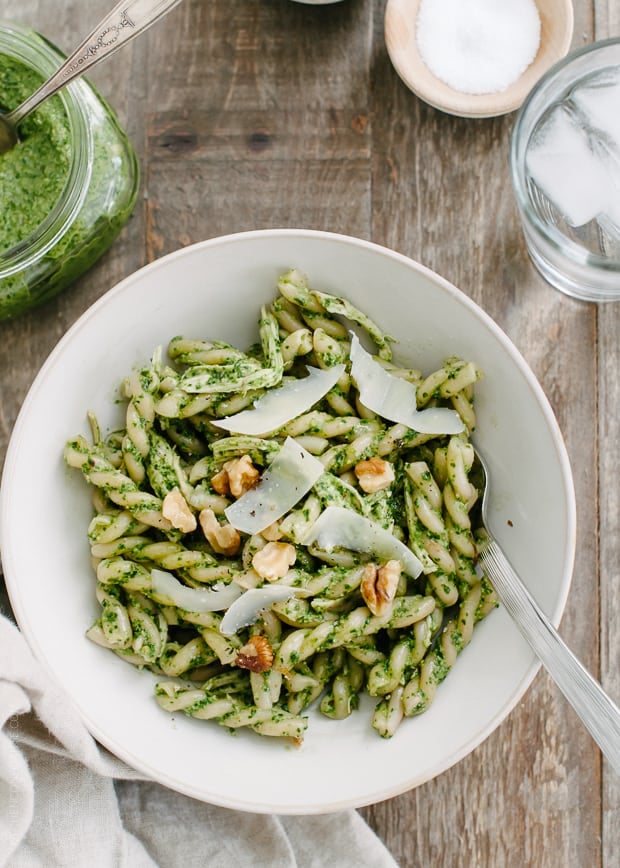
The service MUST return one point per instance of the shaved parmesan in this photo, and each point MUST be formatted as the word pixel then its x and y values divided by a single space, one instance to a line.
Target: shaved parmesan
pixel 395 398
pixel 279 406
pixel 171 592
pixel 245 610
pixel 337 527
pixel 291 474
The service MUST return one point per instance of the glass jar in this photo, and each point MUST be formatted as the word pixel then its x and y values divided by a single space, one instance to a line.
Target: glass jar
pixel 565 167
pixel 68 191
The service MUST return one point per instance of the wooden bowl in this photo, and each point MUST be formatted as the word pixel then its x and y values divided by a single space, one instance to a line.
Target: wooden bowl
pixel 556 19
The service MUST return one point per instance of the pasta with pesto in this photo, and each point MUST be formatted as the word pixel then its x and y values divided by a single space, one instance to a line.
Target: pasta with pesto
pixel 264 541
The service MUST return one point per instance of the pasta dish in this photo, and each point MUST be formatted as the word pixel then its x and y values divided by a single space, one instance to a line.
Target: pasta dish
pixel 288 524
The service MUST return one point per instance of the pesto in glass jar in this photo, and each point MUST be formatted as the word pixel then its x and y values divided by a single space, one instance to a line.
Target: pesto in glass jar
pixel 67 188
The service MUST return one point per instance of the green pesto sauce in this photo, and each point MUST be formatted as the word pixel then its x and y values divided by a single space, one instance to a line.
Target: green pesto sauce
pixel 33 173
pixel 33 176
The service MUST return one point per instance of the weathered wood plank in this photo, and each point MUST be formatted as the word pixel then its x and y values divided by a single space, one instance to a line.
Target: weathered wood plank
pixel 607 20
pixel 260 54
pixel 257 200
pixel 609 432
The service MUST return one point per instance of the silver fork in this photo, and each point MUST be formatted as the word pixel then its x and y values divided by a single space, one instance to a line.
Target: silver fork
pixel 597 710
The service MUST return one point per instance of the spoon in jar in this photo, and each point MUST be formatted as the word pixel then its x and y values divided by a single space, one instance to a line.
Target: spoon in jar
pixel 127 20
pixel 598 712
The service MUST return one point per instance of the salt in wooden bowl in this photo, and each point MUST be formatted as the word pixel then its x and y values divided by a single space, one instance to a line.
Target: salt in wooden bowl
pixel 556 20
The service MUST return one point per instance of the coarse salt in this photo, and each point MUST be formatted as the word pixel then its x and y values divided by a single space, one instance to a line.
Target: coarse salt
pixel 478 46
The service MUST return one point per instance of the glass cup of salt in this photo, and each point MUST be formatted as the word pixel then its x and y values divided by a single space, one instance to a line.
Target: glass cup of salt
pixel 565 167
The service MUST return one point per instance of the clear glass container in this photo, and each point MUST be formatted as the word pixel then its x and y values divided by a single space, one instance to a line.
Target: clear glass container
pixel 565 167
pixel 64 201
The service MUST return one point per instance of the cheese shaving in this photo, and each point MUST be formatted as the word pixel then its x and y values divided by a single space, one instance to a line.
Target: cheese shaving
pixel 337 527
pixel 291 474
pixel 246 609
pixel 395 399
pixel 170 591
pixel 279 406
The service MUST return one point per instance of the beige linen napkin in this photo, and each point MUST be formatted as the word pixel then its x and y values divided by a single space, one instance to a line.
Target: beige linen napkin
pixel 66 801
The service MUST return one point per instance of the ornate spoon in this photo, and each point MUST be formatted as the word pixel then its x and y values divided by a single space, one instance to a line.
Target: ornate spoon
pixel 127 20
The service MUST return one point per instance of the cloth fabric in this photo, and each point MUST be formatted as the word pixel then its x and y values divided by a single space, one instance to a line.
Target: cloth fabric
pixel 66 801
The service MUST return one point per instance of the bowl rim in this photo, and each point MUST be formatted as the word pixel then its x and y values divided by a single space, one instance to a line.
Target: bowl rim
pixel 489 726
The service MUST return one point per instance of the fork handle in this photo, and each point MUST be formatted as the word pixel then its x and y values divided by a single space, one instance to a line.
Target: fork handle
pixel 124 22
pixel 597 710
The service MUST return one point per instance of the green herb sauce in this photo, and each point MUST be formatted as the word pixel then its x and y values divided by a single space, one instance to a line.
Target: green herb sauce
pixel 33 179
pixel 34 172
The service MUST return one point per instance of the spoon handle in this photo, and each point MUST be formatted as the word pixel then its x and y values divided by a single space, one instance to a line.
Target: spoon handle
pixel 598 712
pixel 127 20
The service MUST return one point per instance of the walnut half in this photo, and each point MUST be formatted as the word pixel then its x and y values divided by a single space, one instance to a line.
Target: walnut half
pixel 236 477
pixel 374 474
pixel 256 655
pixel 223 538
pixel 379 586
pixel 273 560
pixel 175 508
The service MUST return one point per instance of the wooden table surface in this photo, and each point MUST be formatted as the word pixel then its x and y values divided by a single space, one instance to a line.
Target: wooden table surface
pixel 268 113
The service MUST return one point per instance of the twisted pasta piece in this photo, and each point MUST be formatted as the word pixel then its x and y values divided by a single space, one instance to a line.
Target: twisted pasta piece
pixel 164 469
pixel 334 491
pixel 119 571
pixel 298 343
pixel 261 451
pixel 178 404
pixel 140 388
pixel 294 288
pixel 386 675
pixel 343 307
pixel 108 526
pixel 297 612
pixel 361 622
pixel 231 376
pixel 389 713
pixel 329 426
pixel 344 456
pixel 121 489
pixel 115 623
pixel 229 711
pixel 459 496
pixel 298 522
pixel 420 691
pixel 325 665
pixel 266 688
pixel 342 695
pixel 287 315
pixel 150 629
pixel 463 403
pixel 177 659
pixel 424 502
pixel 184 435
pixel 196 564
pixel 453 377
pixel 399 437
pixel 198 352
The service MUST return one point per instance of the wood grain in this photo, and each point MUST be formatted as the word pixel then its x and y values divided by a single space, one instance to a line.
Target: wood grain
pixel 262 113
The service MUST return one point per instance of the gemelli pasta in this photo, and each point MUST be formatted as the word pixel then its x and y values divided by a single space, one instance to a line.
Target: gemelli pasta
pixel 265 541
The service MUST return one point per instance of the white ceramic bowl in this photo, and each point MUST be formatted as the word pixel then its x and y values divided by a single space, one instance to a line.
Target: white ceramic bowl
pixel 214 290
